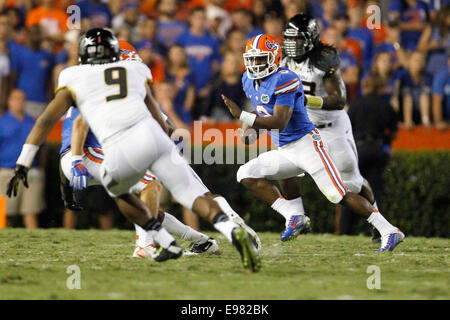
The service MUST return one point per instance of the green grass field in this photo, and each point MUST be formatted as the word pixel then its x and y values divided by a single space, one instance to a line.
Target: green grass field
pixel 33 265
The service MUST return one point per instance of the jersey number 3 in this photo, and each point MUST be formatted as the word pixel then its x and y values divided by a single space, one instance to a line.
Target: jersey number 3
pixel 118 77
pixel 309 88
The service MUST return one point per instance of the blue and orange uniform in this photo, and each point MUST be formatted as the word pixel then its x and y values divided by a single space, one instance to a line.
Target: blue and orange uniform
pixel 281 88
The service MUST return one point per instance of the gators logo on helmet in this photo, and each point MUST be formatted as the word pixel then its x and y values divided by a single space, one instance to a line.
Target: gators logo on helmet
pixel 262 56
pixel 128 52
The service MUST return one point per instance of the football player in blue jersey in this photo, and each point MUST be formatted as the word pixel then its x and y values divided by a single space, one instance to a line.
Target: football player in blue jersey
pixel 278 100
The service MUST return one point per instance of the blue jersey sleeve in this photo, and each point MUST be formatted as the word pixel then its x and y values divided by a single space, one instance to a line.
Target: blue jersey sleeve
pixel 286 88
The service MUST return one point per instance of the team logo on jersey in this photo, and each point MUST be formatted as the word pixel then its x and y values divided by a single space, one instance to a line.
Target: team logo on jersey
pixel 316 137
pixel 265 98
pixel 262 112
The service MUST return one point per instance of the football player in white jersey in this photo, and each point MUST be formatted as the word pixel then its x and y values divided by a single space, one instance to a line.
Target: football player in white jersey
pixel 317 65
pixel 81 158
pixel 114 99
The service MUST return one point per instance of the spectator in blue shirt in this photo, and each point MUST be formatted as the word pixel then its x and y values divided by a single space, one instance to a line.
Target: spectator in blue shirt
pixel 415 91
pixel 169 29
pixel 391 45
pixel 203 52
pixel 413 16
pixel 148 30
pixel 441 97
pixel 15 126
pixel 31 70
pixel 359 32
pixel 182 77
pixel 96 11
pixel 434 41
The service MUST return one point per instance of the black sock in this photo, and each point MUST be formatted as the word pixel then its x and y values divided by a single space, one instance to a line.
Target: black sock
pixel 220 217
pixel 152 224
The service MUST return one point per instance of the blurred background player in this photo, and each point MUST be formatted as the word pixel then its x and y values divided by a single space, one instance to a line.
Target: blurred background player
pixel 318 65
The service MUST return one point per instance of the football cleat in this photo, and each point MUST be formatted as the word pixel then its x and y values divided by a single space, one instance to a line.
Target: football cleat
pixel 174 251
pixel 252 234
pixel 249 255
pixel 144 252
pixel 390 241
pixel 297 225
pixel 210 246
pixel 376 236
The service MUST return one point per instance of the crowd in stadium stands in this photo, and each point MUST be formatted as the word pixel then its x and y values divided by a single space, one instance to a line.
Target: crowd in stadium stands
pixel 194 50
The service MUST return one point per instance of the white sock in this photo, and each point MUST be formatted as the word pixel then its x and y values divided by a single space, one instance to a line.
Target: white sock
pixel 298 205
pixel 177 228
pixel 224 226
pixel 287 208
pixel 225 206
pixel 143 238
pixel 380 223
pixel 162 237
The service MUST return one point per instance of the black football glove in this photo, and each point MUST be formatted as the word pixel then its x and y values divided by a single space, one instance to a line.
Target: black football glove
pixel 69 199
pixel 20 174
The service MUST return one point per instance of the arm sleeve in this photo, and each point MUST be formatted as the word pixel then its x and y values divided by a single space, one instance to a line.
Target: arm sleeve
pixel 286 88
pixel 64 83
pixel 144 70
pixel 63 80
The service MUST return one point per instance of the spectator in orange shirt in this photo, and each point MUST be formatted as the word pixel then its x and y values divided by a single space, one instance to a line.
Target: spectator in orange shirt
pixel 233 5
pixel 53 21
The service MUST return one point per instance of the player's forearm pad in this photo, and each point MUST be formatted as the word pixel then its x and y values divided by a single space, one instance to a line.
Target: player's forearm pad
pixel 27 155
pixel 247 118
pixel 314 101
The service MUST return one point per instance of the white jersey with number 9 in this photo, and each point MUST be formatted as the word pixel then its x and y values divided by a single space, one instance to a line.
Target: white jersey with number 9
pixel 110 96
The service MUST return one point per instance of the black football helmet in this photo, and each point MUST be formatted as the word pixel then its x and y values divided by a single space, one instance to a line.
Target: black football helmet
pixel 300 35
pixel 98 46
